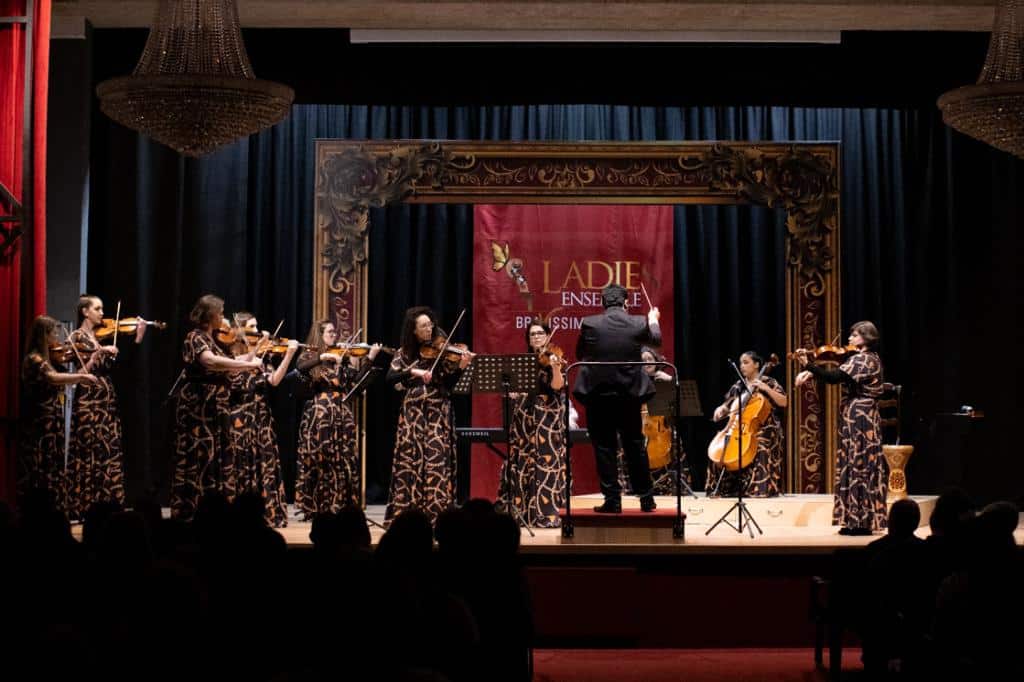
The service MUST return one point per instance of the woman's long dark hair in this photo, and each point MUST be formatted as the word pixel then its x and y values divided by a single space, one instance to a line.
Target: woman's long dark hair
pixel 315 338
pixel 410 344
pixel 37 340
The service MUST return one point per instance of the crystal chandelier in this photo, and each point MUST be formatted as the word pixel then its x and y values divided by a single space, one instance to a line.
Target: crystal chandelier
pixel 193 88
pixel 992 110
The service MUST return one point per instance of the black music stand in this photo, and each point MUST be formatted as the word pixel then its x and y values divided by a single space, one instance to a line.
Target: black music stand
pixel 676 401
pixel 742 513
pixel 504 374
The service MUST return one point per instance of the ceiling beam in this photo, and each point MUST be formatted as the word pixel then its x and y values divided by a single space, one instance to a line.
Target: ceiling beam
pixel 562 15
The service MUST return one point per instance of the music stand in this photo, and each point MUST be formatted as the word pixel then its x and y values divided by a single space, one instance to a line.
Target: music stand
pixel 504 374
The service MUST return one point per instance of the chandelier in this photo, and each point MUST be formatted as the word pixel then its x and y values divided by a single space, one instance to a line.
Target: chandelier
pixel 992 110
pixel 193 88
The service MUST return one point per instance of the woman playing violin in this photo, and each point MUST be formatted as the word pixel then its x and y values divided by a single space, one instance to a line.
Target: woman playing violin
pixel 251 439
pixel 537 438
pixel 423 467
pixel 328 465
pixel 763 476
pixel 96 454
pixel 861 471
pixel 201 464
pixel 40 462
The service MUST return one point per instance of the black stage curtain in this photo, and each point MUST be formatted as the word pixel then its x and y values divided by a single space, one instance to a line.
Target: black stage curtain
pixel 929 233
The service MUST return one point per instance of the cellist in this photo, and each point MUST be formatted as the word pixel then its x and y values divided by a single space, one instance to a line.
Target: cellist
pixel 763 476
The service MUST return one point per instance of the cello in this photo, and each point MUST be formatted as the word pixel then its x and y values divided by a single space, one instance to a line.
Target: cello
pixel 724 448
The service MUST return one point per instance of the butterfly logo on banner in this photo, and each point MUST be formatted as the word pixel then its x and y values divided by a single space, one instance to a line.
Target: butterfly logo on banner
pixel 513 267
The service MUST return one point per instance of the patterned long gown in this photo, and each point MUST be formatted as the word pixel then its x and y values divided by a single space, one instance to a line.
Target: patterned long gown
pixel 96 461
pixel 328 466
pixel 202 464
pixel 763 476
pixel 423 467
pixel 862 474
pixel 252 443
pixel 536 465
pixel 40 463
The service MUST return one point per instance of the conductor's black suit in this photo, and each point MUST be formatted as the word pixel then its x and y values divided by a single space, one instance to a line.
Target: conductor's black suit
pixel 613 396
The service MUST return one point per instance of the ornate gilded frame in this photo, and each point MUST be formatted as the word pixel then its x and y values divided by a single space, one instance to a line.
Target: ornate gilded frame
pixel 801 179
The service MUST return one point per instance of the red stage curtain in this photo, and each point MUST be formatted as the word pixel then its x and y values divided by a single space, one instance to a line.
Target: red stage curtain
pixel 23 268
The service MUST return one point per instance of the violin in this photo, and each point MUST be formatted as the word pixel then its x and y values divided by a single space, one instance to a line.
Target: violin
pixel 63 353
pixel 356 350
pixel 827 353
pixel 449 352
pixel 126 325
pixel 724 448
pixel 227 335
pixel 545 354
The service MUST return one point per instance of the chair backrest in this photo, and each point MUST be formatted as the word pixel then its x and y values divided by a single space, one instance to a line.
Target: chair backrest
pixel 889 408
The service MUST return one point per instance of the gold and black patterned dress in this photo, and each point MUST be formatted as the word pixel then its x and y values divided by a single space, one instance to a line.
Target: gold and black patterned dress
pixel 862 474
pixel 40 463
pixel 763 476
pixel 96 454
pixel 202 463
pixel 536 465
pixel 252 443
pixel 328 465
pixel 424 465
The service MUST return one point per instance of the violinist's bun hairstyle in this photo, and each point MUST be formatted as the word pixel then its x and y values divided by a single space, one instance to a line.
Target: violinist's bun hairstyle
pixel 868 331
pixel 84 301
pixel 205 308
pixel 242 316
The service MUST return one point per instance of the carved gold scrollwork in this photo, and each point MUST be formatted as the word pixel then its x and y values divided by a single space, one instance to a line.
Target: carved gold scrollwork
pixel 801 183
pixel 352 181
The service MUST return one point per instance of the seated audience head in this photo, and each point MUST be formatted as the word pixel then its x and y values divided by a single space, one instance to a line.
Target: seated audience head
pixel 951 509
pixel 904 517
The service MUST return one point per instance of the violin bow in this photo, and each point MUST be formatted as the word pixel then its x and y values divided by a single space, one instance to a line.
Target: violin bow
pixel 273 336
pixel 458 321
pixel 117 322
pixel 348 344
pixel 74 349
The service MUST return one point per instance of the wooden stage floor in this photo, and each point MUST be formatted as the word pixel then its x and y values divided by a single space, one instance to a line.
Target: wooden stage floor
pixel 792 524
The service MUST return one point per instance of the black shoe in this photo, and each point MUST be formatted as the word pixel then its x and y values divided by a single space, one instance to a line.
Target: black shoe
pixel 845 531
pixel 609 507
pixel 647 503
pixel 860 531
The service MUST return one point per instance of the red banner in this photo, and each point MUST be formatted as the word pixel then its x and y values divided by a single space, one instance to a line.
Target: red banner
pixel 552 262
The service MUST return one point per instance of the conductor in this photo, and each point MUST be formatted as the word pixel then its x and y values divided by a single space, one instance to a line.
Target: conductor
pixel 612 396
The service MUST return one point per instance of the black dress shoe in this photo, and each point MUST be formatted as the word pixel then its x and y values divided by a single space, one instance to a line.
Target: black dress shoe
pixel 647 503
pixel 609 507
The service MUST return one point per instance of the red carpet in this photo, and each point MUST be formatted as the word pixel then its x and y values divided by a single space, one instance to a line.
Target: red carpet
pixel 682 665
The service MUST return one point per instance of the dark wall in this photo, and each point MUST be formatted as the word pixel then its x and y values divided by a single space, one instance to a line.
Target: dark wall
pixel 67 172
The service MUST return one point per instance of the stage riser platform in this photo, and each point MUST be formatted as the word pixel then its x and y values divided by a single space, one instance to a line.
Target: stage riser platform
pixel 792 511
